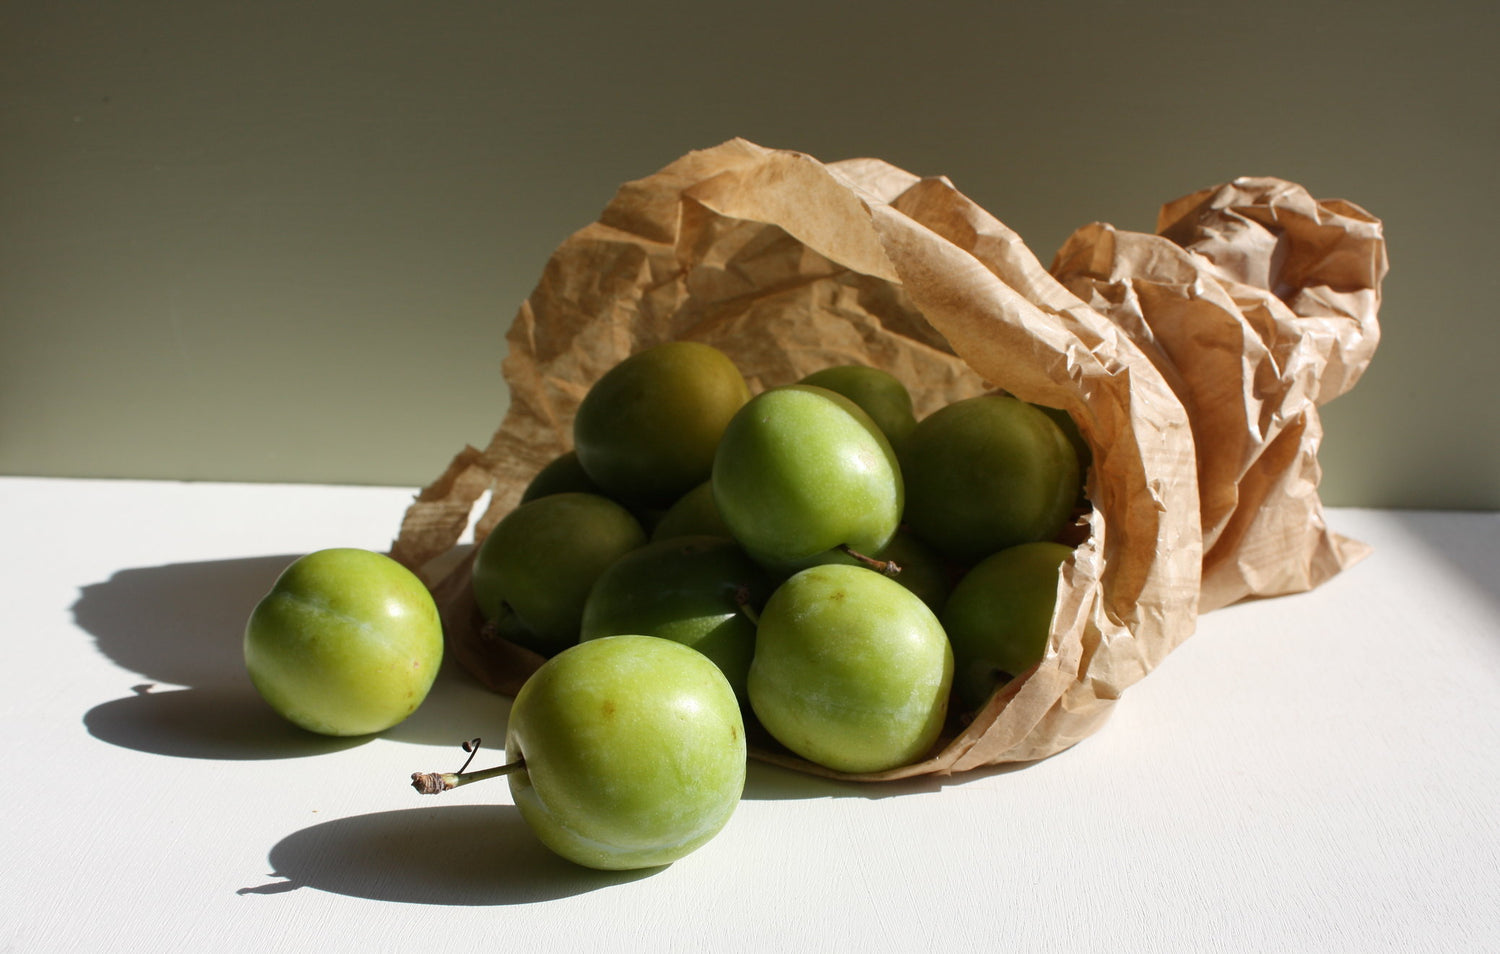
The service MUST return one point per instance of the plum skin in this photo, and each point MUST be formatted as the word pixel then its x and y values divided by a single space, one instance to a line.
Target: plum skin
pixel 987 473
pixel 999 617
pixel 634 751
pixel 802 470
pixel 851 670
pixel 346 643
pixel 646 431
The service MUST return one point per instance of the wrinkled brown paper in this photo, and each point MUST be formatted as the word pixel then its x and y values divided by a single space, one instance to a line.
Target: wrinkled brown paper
pixel 1193 362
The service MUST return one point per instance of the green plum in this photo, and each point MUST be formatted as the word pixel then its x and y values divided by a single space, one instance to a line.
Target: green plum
pixel 699 591
pixel 920 567
pixel 646 431
pixel 999 617
pixel 533 572
pixel 851 670
pixel 1069 427
pixel 1081 448
pixel 879 393
pixel 347 642
pixel 987 473
pixel 923 571
pixel 801 470
pixel 694 514
pixel 917 567
pixel 633 749
pixel 563 474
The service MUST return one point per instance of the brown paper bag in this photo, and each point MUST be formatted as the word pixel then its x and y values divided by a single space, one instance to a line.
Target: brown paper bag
pixel 1257 303
pixel 789 265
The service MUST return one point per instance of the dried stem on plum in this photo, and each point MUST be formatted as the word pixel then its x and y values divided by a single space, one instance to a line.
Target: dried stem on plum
pixel 889 568
pixel 742 600
pixel 432 783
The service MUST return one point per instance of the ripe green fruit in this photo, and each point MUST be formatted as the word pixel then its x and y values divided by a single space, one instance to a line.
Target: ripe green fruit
pixel 919 568
pixel 878 393
pixel 851 670
pixel 922 570
pixel 999 617
pixel 1069 427
pixel 802 470
pixel 533 572
pixel 634 752
pixel 646 431
pixel 563 474
pixel 347 642
pixel 988 473
pixel 698 591
pixel 693 515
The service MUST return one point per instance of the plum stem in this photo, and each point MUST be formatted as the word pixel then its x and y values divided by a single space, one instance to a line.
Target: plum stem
pixel 886 567
pixel 471 747
pixel 431 783
pixel 742 600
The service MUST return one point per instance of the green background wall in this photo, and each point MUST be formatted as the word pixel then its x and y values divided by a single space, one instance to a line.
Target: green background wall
pixel 282 241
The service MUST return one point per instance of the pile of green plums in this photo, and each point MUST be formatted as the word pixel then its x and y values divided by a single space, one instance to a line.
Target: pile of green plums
pixel 626 752
pixel 860 579
pixel 811 562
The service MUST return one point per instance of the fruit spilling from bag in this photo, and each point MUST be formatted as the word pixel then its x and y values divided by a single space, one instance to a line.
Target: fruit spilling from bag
pixel 855 586
pixel 861 578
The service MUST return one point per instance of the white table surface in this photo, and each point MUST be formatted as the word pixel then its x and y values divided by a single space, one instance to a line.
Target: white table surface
pixel 1312 773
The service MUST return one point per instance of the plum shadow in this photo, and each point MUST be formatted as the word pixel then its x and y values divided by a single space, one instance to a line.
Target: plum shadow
pixel 451 855
pixel 183 624
pixel 180 623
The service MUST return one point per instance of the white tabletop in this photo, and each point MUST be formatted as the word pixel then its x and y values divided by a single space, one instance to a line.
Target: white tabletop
pixel 1311 773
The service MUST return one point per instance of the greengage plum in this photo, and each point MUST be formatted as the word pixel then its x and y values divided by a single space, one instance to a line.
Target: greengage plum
pixel 533 572
pixel 917 567
pixel 987 473
pixel 646 431
pixel 694 514
pixel 851 670
pixel 879 394
pixel 347 642
pixel 999 617
pixel 562 474
pixel 801 470
pixel 702 592
pixel 923 571
pixel 1069 427
pixel 633 750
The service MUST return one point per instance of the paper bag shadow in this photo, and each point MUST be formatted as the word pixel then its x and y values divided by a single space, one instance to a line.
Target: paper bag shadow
pixel 452 855
pixel 770 782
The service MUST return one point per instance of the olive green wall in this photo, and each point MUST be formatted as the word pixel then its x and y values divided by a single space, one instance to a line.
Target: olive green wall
pixel 282 241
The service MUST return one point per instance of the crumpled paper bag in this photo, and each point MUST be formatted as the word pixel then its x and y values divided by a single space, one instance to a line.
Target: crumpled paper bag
pixel 1255 304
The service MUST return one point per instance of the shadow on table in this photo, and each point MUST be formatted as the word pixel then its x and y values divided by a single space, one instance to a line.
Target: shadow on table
pixel 765 781
pixel 213 722
pixel 456 855
pixel 183 624
pixel 1465 542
